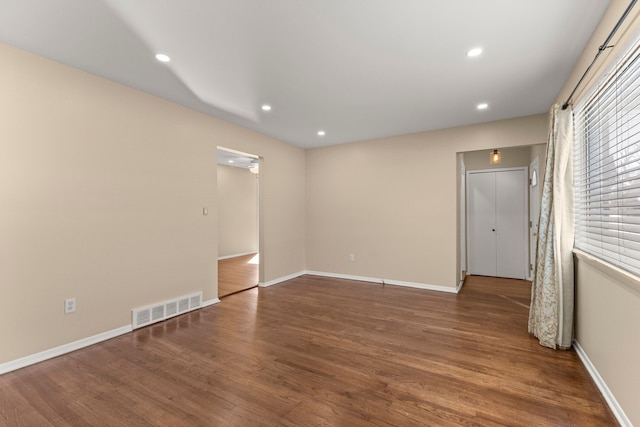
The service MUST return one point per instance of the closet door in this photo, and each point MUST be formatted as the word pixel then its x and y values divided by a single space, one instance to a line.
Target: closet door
pixel 497 223
pixel 511 224
pixel 481 218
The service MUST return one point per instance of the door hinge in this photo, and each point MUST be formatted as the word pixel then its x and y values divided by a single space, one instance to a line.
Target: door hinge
pixel 530 267
pixel 530 224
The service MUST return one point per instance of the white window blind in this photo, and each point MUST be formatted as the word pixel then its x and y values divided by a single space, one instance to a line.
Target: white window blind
pixel 607 167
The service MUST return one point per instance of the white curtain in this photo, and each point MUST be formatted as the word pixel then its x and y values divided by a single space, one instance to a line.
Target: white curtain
pixel 551 313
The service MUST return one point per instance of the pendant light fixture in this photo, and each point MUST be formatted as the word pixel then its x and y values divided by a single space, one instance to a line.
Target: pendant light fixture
pixel 495 157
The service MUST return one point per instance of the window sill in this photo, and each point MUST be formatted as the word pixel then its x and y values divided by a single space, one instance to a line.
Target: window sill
pixel 621 276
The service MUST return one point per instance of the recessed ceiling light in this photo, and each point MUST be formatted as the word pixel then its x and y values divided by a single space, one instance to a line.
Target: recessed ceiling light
pixel 482 106
pixel 321 133
pixel 230 161
pixel 162 57
pixel 476 51
pixel 266 107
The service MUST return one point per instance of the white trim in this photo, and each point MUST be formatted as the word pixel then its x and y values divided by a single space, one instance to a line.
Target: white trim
pixel 280 279
pixel 621 276
pixel 602 386
pixel 534 167
pixel 236 255
pixel 385 281
pixel 462 215
pixel 459 287
pixel 363 279
pixel 344 276
pixel 210 302
pixel 425 286
pixel 63 349
pixel 242 153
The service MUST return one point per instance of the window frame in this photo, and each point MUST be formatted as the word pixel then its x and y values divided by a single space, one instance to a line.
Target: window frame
pixel 604 237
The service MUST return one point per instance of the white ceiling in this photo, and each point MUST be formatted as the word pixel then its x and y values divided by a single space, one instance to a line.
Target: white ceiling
pixel 358 69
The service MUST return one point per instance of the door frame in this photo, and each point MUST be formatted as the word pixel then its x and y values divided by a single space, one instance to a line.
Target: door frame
pixel 259 208
pixel 525 184
pixel 462 210
pixel 533 225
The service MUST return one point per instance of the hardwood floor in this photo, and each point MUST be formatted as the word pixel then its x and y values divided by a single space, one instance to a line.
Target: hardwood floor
pixel 237 274
pixel 315 351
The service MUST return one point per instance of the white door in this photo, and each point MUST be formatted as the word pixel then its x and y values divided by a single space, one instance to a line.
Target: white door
pixel 511 223
pixel 534 209
pixel 497 218
pixel 481 218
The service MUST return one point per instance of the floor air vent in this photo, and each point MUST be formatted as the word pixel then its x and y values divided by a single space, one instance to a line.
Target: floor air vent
pixel 144 316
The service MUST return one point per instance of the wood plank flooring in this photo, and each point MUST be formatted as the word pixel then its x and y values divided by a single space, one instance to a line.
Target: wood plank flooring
pixel 316 351
pixel 237 274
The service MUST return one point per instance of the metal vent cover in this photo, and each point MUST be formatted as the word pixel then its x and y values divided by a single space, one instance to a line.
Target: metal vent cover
pixel 154 313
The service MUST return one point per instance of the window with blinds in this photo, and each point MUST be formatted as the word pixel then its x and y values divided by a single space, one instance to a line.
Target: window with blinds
pixel 607 167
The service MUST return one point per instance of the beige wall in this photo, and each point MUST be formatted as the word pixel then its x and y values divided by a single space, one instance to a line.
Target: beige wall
pixel 511 158
pixel 281 205
pixel 393 202
pixel 237 211
pixel 101 196
pixel 281 200
pixel 607 321
pixel 606 310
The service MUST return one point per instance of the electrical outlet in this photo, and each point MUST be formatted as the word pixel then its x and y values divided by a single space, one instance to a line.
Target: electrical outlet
pixel 69 305
pixel 352 257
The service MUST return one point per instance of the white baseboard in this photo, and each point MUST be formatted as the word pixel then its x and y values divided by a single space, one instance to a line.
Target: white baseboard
pixel 210 302
pixel 363 279
pixel 459 287
pixel 280 279
pixel 344 276
pixel 385 281
pixel 63 349
pixel 425 286
pixel 602 386
pixel 236 255
pixel 73 346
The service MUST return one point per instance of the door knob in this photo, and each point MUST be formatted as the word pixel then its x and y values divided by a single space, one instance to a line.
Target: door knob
pixel 493 229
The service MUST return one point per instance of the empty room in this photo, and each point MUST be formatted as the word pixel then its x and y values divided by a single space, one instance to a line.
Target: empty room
pixel 438 202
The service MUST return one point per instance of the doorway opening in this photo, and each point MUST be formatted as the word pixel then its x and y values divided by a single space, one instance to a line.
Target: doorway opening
pixel 238 221
pixel 476 162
